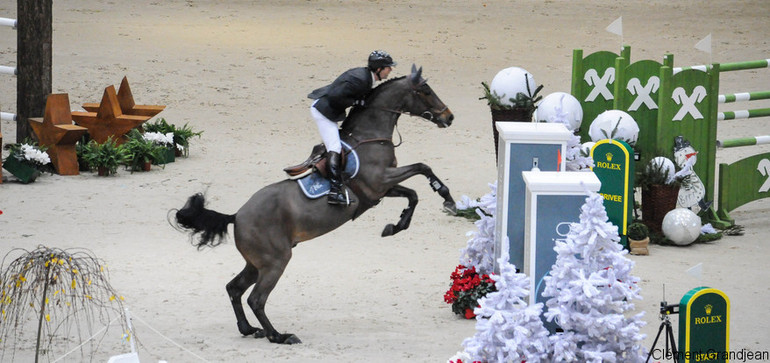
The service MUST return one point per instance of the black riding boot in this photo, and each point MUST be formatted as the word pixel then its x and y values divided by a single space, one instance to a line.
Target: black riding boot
pixel 337 190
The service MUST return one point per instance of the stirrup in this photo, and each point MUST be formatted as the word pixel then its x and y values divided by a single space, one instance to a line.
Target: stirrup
pixel 334 199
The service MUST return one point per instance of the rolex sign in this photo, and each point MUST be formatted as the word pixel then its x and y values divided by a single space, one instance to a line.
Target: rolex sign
pixel 614 166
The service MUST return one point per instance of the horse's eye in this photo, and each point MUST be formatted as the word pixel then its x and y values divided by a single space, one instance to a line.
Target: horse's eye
pixel 426 92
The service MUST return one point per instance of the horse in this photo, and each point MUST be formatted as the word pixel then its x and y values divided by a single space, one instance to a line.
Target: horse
pixel 279 216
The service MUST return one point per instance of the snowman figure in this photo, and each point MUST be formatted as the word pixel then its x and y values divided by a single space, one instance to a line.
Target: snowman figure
pixel 692 191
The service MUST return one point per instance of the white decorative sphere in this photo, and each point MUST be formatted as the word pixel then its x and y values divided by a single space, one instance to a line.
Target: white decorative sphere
pixel 665 165
pixel 681 226
pixel 614 124
pixel 560 107
pixel 511 81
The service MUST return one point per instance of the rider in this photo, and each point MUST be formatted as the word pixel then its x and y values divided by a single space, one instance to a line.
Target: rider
pixel 331 103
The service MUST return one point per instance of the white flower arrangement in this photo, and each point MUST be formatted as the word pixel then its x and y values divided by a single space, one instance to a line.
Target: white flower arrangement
pixel 33 154
pixel 166 139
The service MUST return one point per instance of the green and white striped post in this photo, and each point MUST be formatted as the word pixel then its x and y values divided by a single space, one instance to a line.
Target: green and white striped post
pixel 744 141
pixel 742 114
pixel 744 96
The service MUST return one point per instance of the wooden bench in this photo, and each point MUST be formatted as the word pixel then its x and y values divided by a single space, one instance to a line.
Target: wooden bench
pixel 56 131
pixel 108 120
pixel 127 104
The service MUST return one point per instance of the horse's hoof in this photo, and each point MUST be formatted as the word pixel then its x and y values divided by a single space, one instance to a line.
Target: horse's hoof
pixel 260 333
pixel 389 230
pixel 450 208
pixel 284 339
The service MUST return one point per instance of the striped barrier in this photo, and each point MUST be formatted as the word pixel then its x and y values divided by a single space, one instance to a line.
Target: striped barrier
pixel 748 179
pixel 669 101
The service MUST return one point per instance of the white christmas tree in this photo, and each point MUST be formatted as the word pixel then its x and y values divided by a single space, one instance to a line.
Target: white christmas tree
pixel 590 289
pixel 575 160
pixel 479 251
pixel 507 329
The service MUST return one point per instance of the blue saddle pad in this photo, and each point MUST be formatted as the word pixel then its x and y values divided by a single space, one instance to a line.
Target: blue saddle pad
pixel 315 186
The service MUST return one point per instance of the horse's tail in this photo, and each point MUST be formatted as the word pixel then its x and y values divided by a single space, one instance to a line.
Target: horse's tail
pixel 194 219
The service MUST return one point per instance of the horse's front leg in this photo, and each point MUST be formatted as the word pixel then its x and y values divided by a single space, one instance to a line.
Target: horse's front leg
pixel 395 176
pixel 406 214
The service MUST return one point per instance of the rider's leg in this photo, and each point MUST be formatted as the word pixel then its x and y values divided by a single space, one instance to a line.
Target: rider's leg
pixel 331 137
pixel 336 191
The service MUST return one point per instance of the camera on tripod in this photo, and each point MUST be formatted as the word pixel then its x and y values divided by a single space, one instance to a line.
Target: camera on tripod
pixel 666 309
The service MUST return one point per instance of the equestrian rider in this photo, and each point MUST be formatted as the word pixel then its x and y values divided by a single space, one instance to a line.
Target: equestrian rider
pixel 331 103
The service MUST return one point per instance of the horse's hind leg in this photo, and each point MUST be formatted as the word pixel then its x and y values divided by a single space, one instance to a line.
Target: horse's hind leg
pixel 235 289
pixel 269 272
pixel 406 214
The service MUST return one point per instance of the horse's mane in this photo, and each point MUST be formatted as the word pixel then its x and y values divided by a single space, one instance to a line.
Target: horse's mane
pixel 381 87
pixel 370 97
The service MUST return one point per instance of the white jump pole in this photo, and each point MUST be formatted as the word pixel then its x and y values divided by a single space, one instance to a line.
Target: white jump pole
pixel 9 70
pixel 7 116
pixel 8 22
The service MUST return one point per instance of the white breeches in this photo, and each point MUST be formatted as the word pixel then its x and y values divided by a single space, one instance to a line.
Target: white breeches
pixel 330 133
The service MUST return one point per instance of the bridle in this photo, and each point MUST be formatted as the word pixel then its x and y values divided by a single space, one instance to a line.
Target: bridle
pixel 427 114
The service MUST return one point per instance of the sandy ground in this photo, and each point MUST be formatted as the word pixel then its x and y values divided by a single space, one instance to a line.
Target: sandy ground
pixel 240 71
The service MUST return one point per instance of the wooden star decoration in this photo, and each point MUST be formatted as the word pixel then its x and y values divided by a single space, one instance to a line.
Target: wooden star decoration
pixel 127 104
pixel 109 120
pixel 56 131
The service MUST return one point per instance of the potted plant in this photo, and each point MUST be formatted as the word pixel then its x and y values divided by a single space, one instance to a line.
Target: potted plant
pixel 105 157
pixel 467 288
pixel 517 108
pixel 660 190
pixel 26 161
pixel 638 238
pixel 166 141
pixel 182 135
pixel 141 152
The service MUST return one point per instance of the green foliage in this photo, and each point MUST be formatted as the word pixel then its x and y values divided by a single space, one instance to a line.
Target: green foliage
pixel 182 135
pixel 107 155
pixel 655 174
pixel 520 101
pixel 142 151
pixel 638 231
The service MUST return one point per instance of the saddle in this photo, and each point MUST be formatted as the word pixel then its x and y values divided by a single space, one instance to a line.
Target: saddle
pixel 316 162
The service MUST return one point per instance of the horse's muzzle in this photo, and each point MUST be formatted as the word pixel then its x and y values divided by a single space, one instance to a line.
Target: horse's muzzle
pixel 443 119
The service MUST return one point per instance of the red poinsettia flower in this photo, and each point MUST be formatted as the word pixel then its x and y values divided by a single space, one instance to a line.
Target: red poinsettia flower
pixel 469 313
pixel 467 288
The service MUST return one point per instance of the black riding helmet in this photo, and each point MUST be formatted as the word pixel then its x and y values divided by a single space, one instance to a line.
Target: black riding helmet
pixel 379 59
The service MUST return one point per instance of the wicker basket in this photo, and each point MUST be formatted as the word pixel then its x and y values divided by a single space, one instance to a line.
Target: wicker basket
pixel 512 115
pixel 657 200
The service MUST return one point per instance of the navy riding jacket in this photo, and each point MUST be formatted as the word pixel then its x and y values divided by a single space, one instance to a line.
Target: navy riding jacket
pixel 349 87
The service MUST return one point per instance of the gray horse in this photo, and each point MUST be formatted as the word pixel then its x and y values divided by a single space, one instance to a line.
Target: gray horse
pixel 279 216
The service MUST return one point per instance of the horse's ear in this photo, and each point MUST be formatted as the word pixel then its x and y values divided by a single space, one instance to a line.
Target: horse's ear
pixel 416 76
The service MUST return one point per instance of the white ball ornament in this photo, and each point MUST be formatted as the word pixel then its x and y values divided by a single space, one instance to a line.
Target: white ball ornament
pixel 665 165
pixel 560 107
pixel 682 226
pixel 510 81
pixel 614 124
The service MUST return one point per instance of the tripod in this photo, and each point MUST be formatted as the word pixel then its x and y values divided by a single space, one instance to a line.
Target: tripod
pixel 665 310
